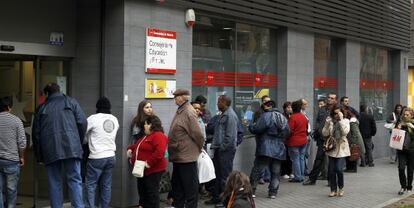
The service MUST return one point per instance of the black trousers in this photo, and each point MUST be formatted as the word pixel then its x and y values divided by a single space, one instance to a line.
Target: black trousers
pixel 405 159
pixel 184 183
pixel 319 163
pixel 351 165
pixel 148 190
pixel 368 151
pixel 223 165
pixel 286 168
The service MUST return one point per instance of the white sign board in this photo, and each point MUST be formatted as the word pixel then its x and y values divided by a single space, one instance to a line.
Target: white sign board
pixel 161 51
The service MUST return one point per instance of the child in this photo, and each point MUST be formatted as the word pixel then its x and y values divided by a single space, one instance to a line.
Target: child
pixel 238 192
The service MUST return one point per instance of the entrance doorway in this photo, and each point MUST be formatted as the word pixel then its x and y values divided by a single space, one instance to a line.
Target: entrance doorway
pixel 23 77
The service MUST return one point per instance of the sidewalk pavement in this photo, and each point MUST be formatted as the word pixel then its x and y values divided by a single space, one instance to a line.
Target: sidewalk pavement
pixel 371 187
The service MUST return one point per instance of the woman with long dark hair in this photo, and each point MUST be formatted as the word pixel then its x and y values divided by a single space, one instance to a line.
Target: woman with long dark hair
pixel 144 110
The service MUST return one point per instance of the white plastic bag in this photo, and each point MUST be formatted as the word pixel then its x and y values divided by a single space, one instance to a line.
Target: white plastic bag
pixel 206 170
pixel 397 139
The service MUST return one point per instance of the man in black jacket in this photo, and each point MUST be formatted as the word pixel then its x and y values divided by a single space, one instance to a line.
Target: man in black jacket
pixel 320 154
pixel 368 129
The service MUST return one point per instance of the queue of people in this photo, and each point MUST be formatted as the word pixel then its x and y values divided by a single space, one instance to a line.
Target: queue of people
pixel 342 135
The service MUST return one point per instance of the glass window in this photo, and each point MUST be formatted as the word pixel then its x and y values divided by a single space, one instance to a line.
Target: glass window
pixel 376 81
pixel 325 68
pixel 238 60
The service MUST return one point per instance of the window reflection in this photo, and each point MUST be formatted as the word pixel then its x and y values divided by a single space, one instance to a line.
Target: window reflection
pixel 234 59
pixel 376 81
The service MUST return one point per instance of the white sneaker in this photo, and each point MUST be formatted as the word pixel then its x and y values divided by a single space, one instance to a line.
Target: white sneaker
pixel 285 176
pixel 253 196
pixel 291 176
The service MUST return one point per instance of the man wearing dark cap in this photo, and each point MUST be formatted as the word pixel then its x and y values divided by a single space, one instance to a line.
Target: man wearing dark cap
pixel 185 141
pixel 100 135
pixel 270 146
pixel 58 130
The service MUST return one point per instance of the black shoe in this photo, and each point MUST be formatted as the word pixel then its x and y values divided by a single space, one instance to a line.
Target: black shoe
pixel 309 182
pixel 322 177
pixel 401 192
pixel 212 201
pixel 295 181
pixel 362 165
pixel 350 171
pixel 371 165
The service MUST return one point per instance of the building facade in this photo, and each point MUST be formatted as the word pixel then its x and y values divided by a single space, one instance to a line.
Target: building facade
pixel 245 49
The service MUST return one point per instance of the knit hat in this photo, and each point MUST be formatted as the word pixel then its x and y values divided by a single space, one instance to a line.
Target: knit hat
pixel 103 103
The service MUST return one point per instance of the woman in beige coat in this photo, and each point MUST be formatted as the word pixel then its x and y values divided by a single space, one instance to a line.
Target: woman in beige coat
pixel 337 126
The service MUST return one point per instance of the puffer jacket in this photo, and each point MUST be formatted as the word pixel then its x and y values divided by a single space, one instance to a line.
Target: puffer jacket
pixel 342 146
pixel 59 127
pixel 354 136
pixel 271 130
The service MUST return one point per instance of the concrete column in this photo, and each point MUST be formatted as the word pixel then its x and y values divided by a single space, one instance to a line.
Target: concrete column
pixel 295 67
pixel 349 61
pixel 138 16
pixel 400 73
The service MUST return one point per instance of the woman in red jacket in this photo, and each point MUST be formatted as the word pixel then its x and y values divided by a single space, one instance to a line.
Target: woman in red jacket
pixel 151 149
pixel 297 141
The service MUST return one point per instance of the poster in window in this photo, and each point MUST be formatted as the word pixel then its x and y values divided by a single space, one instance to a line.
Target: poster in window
pixel 159 88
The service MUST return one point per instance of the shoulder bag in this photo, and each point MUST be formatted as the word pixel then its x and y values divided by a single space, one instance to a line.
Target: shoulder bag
pixel 329 144
pixel 139 165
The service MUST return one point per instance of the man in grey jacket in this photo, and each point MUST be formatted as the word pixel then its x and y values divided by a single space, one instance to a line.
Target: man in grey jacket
pixel 224 145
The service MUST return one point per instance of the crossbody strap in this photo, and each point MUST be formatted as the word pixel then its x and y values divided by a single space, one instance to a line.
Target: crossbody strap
pixel 136 155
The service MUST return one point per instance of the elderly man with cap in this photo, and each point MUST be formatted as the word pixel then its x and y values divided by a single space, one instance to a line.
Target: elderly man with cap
pixel 184 146
pixel 100 135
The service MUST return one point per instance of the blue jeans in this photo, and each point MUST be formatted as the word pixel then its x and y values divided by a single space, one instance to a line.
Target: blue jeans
pixel 99 169
pixel 335 172
pixel 297 155
pixel 74 180
pixel 9 176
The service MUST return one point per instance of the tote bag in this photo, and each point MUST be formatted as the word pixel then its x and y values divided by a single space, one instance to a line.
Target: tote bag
pixel 206 170
pixel 139 165
pixel 397 139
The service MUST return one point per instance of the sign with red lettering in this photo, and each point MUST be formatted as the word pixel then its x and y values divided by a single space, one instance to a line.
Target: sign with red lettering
pixel 161 51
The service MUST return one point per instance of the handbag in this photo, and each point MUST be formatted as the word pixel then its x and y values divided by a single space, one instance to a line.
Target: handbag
pixel 139 165
pixel 329 144
pixel 397 139
pixel 390 126
pixel 165 182
pixel 355 152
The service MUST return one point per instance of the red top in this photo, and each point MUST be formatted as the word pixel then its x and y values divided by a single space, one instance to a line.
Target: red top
pixel 151 150
pixel 298 125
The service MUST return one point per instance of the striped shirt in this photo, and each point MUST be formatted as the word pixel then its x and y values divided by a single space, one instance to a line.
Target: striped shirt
pixel 12 136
